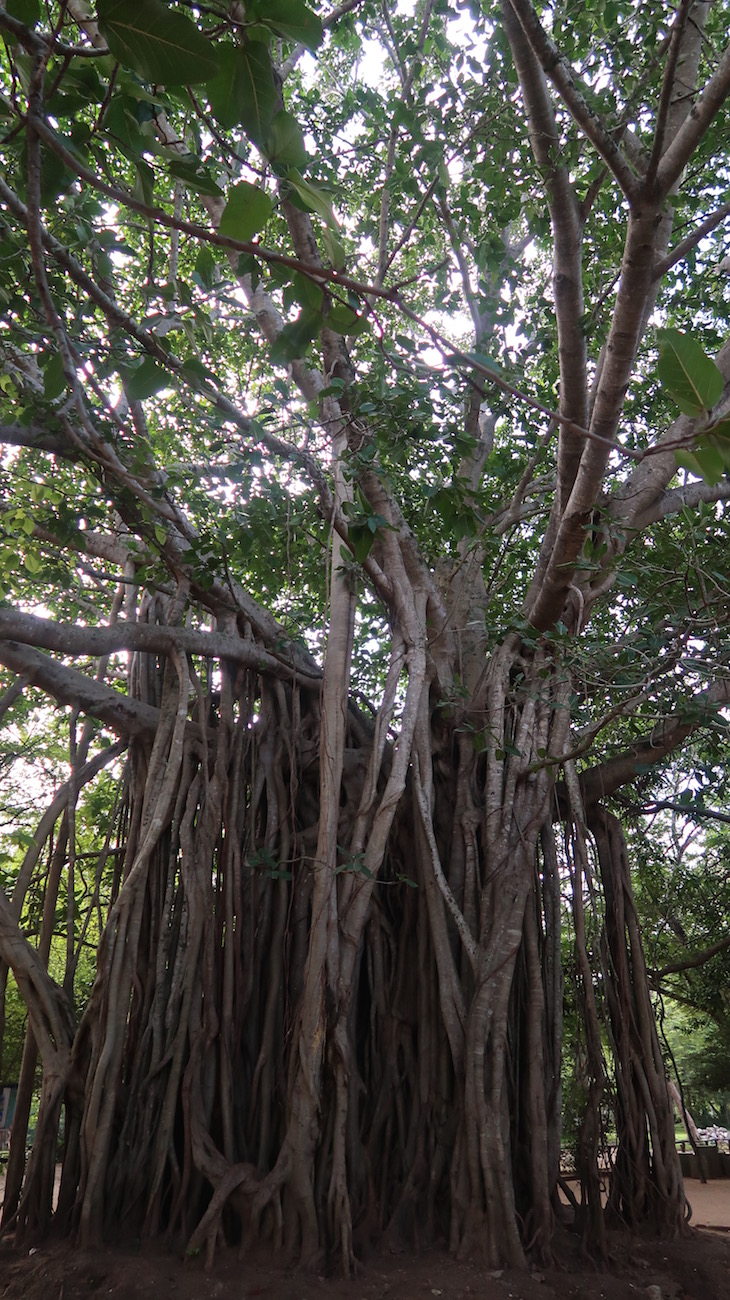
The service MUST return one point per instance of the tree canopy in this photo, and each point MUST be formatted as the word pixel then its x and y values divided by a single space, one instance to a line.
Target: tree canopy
pixel 363 555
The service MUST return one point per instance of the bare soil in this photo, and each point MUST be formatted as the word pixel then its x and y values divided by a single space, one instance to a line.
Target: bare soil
pixel 696 1267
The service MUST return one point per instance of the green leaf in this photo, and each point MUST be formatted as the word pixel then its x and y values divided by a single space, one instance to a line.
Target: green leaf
pixel 26 11
pixel 361 541
pixel 293 340
pixel 246 212
pixel 145 381
pixel 223 90
pixel 687 373
pixel 55 178
pixel 54 378
pixel 722 448
pixel 244 92
pixel 285 143
pixel 158 43
pixel 304 291
pixel 145 185
pixel 343 320
pixel 711 462
pixel 484 362
pixel 205 267
pixel 688 460
pixel 312 197
pixel 292 20
pixel 32 562
pixel 334 249
pixel 195 177
pixel 721 429
pixel 197 375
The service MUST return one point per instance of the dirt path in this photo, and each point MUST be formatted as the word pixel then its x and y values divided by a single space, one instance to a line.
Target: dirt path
pixel 710 1202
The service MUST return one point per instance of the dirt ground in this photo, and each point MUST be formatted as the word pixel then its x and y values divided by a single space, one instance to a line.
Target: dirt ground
pixel 697 1268
pixel 694 1268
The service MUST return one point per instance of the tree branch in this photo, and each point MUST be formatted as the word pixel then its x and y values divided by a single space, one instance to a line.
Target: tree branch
pixel 320 274
pixel 695 126
pixel 639 499
pixel 691 963
pixel 691 811
pixel 691 241
pixel 599 782
pixel 152 347
pixel 59 803
pixel 50 1013
pixel 488 375
pixel 558 70
pixel 149 638
pixel 563 545
pixel 471 947
pixel 668 85
pixel 567 224
pixel 407 76
pixel 125 716
pixel 35 436
pixel 670 503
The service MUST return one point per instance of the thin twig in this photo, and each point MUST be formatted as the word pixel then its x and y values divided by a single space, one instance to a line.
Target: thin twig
pixel 204 233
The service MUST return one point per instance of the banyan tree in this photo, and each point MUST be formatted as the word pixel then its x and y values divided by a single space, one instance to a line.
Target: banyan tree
pixel 362 538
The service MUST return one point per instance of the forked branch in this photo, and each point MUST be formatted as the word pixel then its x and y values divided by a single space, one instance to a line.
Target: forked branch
pixel 558 70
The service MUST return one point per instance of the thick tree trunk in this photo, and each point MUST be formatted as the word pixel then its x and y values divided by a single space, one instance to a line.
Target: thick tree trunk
pixel 329 996
pixel 322 1049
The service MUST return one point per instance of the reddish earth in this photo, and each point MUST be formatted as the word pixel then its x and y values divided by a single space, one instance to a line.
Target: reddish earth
pixel 694 1268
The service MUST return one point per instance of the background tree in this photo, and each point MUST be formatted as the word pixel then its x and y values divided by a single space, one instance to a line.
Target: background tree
pixel 350 526
pixel 680 852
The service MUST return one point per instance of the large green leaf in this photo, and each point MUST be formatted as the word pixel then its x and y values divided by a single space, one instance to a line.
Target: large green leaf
pixel 285 144
pixel 334 249
pixel 686 372
pixel 306 292
pixel 26 11
pixel 292 20
pixel 54 377
pixel 343 320
pixel 223 91
pixel 312 198
pixel 721 430
pixel 246 212
pixel 146 380
pixel 710 456
pixel 243 91
pixel 195 176
pixel 295 337
pixel 711 461
pixel 205 268
pixel 158 43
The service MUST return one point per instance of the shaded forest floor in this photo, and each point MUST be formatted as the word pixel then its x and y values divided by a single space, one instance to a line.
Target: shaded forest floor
pixel 694 1268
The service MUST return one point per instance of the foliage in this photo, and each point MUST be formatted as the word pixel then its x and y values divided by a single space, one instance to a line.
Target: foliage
pixel 701 1056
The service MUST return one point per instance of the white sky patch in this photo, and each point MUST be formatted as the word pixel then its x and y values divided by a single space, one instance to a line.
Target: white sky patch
pixel 461 31
pixel 369 67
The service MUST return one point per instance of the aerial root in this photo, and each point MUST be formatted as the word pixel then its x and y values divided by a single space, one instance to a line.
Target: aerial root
pixel 242 1175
